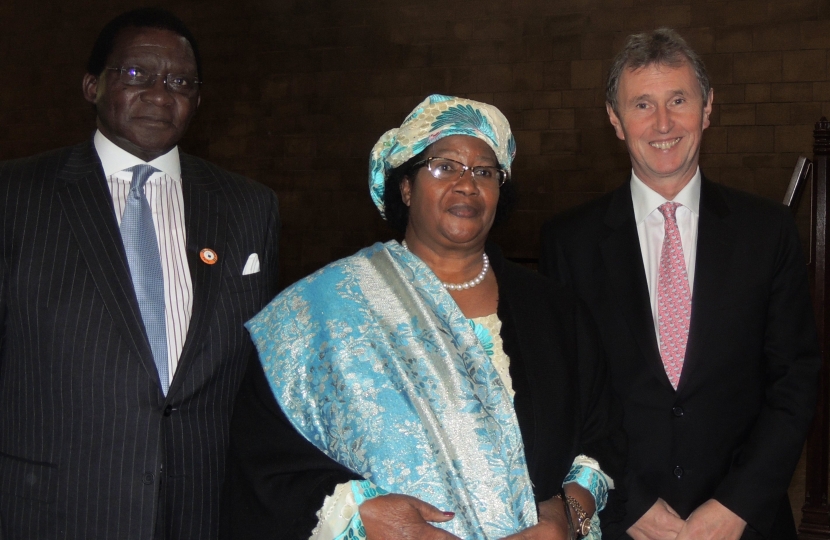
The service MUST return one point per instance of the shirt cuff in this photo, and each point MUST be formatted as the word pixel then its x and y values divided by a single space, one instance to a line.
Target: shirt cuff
pixel 587 473
pixel 339 518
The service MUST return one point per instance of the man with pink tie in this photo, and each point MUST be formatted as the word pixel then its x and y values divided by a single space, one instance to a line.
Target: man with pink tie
pixel 700 293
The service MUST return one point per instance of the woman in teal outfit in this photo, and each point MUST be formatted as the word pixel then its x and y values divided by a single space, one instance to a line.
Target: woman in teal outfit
pixel 468 392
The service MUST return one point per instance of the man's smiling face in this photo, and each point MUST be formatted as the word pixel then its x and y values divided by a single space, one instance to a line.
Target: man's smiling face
pixel 661 116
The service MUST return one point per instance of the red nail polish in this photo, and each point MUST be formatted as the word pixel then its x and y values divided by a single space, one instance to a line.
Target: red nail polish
pixel 449 514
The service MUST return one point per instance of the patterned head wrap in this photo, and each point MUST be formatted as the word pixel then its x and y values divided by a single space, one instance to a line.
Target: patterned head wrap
pixel 433 119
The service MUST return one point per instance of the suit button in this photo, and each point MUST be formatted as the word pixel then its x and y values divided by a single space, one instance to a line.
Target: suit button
pixel 677 411
pixel 678 471
pixel 149 478
pixel 168 410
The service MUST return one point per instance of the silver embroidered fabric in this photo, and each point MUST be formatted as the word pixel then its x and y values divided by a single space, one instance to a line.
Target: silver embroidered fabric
pixel 373 362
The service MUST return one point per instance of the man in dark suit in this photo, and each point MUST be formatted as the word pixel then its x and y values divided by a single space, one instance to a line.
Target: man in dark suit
pixel 127 271
pixel 701 296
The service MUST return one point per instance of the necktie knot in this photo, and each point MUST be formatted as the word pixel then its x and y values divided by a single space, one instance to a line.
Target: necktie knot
pixel 140 175
pixel 668 210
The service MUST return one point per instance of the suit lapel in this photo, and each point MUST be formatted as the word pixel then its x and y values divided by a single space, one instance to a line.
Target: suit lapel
pixel 205 216
pixel 627 279
pixel 715 245
pixel 87 203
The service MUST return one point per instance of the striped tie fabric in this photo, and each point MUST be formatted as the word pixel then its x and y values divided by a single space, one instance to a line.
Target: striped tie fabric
pixel 141 245
pixel 674 298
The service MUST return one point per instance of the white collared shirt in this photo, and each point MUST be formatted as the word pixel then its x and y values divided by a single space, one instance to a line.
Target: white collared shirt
pixel 651 230
pixel 164 193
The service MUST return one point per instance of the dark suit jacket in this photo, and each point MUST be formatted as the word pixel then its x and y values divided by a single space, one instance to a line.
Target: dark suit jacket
pixel 89 445
pixel 563 404
pixel 734 428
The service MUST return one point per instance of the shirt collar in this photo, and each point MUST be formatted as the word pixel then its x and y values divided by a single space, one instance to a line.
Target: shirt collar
pixel 646 200
pixel 115 159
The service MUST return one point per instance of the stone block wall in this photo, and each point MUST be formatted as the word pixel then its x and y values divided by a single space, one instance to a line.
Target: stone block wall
pixel 297 92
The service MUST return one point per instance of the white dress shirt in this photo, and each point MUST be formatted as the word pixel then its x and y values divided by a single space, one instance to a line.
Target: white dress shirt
pixel 651 230
pixel 164 193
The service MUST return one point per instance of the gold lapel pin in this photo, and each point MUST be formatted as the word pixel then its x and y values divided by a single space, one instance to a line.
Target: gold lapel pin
pixel 208 256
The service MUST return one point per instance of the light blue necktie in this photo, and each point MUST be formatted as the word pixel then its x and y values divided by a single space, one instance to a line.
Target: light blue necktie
pixel 141 245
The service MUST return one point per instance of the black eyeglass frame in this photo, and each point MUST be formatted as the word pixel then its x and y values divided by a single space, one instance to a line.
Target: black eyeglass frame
pixel 503 175
pixel 153 77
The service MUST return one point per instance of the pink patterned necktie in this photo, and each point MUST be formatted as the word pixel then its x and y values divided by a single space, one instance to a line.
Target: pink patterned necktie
pixel 674 298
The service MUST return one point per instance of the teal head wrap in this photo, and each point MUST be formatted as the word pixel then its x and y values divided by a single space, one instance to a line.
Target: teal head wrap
pixel 433 119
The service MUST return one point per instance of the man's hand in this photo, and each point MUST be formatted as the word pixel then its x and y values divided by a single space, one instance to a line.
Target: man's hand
pixel 553 525
pixel 712 521
pixel 401 517
pixel 661 522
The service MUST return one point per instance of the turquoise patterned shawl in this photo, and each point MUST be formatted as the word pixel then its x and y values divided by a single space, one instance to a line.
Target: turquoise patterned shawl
pixel 373 362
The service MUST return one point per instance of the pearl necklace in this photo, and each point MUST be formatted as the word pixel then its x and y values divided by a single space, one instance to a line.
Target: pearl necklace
pixel 467 284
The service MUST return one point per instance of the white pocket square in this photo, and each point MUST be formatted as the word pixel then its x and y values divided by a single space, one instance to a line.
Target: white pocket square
pixel 252 265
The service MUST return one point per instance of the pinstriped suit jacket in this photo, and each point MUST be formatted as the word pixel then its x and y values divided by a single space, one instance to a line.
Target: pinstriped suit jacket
pixel 89 445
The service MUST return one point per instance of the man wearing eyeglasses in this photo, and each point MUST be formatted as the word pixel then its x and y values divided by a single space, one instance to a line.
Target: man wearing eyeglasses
pixel 127 271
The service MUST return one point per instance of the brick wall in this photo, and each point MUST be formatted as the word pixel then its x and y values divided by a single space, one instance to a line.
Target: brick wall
pixel 298 91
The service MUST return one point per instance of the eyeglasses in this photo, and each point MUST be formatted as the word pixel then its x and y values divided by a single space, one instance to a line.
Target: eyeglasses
pixel 186 85
pixel 449 169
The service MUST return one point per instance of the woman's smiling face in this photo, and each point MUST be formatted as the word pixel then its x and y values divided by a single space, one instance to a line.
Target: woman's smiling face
pixel 452 213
